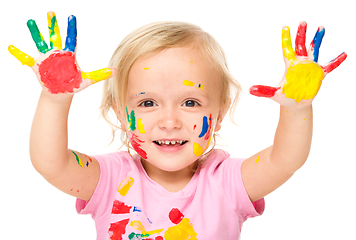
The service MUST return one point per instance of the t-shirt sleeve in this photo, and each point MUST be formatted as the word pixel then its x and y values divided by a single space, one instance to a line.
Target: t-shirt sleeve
pixel 100 203
pixel 235 190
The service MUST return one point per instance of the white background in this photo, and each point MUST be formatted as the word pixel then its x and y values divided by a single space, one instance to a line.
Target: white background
pixel 318 202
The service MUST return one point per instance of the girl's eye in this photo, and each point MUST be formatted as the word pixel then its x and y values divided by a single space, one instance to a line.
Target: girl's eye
pixel 148 103
pixel 190 103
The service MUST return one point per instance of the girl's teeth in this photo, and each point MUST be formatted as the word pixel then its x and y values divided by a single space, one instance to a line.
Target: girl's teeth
pixel 169 142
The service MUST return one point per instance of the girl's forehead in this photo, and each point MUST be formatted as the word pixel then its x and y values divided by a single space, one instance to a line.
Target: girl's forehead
pixel 183 65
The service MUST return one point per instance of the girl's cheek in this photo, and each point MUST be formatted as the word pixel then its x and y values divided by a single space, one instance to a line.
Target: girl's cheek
pixel 135 127
pixel 204 135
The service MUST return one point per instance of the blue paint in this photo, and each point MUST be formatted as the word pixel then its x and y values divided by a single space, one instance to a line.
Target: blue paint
pixel 71 40
pixel 136 209
pixel 317 42
pixel 87 164
pixel 205 127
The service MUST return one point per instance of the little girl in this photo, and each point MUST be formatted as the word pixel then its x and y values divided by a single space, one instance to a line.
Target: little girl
pixel 170 88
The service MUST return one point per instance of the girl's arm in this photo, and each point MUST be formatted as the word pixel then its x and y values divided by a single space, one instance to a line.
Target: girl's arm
pixel 267 170
pixel 60 77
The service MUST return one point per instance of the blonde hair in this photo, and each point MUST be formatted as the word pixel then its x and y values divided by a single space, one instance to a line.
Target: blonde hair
pixel 151 39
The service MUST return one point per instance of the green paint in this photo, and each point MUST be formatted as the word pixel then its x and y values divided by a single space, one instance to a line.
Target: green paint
pixel 138 236
pixel 51 29
pixel 78 159
pixel 37 36
pixel 131 119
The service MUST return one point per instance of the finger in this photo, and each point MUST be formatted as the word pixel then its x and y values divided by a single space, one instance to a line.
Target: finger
pixel 300 48
pixel 288 51
pixel 315 44
pixel 54 35
pixel 21 56
pixel 263 91
pixel 37 36
pixel 99 75
pixel 71 40
pixel 329 67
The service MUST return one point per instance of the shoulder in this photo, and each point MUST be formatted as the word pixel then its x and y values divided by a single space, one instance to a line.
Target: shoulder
pixel 220 161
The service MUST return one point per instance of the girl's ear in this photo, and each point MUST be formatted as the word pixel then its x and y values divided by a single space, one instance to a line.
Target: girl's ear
pixel 222 113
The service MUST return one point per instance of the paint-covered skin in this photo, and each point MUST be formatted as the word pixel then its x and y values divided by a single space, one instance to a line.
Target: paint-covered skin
pixel 303 75
pixel 56 68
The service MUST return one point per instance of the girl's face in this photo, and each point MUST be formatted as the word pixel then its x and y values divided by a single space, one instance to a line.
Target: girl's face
pixel 172 107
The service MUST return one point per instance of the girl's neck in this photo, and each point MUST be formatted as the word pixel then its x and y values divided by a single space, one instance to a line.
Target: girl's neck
pixel 171 181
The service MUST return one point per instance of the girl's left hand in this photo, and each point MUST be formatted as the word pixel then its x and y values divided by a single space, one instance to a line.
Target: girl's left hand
pixel 303 75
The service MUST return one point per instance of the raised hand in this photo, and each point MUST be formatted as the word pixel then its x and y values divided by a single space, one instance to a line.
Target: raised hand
pixel 56 68
pixel 303 75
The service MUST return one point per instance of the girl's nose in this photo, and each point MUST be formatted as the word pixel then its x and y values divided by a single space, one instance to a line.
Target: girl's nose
pixel 169 120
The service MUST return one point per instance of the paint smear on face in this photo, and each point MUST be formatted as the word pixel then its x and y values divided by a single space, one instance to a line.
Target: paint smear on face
pixel 206 128
pixel 200 86
pixel 120 208
pixel 303 80
pixel 146 68
pixel 117 229
pixel 258 159
pixel 140 94
pixel 136 144
pixel 59 73
pixel 197 149
pixel 78 159
pixel 191 61
pixel 125 185
pixel 140 126
pixel 188 83
pixel 131 119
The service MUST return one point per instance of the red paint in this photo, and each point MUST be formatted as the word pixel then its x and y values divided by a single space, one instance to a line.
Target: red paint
pixel 120 207
pixel 135 142
pixel 300 40
pixel 194 127
pixel 207 135
pixel 159 238
pixel 117 229
pixel 59 72
pixel 175 216
pixel 263 91
pixel 334 63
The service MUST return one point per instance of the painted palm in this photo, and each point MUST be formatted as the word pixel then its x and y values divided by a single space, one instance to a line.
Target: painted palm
pixel 303 75
pixel 56 67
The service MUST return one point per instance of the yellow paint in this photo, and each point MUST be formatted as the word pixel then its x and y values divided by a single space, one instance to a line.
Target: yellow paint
pixel 188 83
pixel 288 51
pixel 191 61
pixel 56 37
pixel 258 159
pixel 125 185
pixel 21 56
pixel 98 75
pixel 303 80
pixel 183 230
pixel 197 149
pixel 140 126
pixel 139 227
pixel 146 68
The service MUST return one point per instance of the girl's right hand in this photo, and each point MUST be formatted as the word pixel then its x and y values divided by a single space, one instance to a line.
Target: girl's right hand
pixel 56 68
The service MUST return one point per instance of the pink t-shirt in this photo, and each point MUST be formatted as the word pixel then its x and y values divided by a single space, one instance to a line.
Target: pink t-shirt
pixel 127 204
